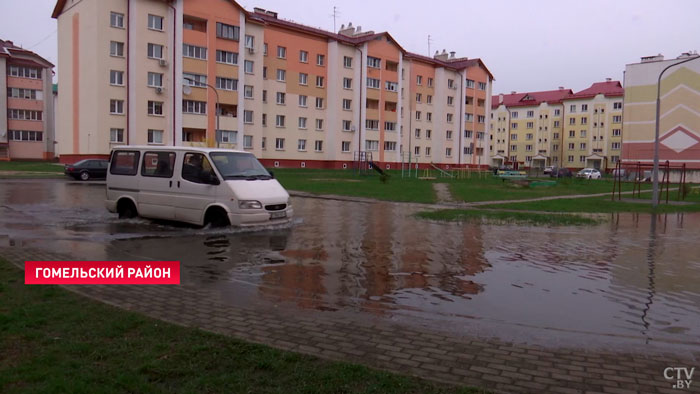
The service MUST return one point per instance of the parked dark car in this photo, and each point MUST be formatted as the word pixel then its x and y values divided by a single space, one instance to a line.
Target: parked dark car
pixel 561 173
pixel 88 169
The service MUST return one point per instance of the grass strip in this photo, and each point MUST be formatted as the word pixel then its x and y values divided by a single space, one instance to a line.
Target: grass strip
pixel 31 166
pixel 507 217
pixel 52 340
pixel 598 205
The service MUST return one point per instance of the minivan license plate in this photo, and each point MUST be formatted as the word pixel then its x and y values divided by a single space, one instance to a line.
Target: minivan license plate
pixel 277 215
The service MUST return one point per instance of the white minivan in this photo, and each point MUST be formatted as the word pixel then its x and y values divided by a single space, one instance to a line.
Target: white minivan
pixel 194 185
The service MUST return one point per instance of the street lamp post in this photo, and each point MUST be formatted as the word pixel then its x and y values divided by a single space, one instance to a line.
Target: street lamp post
pixel 217 131
pixel 655 172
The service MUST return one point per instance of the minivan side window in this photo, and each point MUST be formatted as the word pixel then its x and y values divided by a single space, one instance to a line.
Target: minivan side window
pixel 196 168
pixel 124 162
pixel 158 164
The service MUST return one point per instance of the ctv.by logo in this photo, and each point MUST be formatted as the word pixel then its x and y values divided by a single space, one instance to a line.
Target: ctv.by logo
pixel 681 375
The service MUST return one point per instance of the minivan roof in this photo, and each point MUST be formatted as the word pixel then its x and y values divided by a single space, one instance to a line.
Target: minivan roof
pixel 177 148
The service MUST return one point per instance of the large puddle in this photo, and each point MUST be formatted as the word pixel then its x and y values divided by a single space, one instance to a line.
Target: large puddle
pixel 634 280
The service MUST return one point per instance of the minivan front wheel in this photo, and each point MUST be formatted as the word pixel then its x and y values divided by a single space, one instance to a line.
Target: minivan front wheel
pixel 216 217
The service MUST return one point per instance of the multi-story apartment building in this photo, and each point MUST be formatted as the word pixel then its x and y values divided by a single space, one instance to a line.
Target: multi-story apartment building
pixel 593 127
pixel 152 72
pixel 559 127
pixel 26 104
pixel 526 128
pixel 679 120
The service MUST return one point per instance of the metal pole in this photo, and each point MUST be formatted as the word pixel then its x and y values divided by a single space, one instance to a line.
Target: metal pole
pixel 655 172
pixel 217 106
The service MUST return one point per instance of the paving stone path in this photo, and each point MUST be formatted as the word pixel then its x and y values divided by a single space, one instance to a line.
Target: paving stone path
pixel 490 364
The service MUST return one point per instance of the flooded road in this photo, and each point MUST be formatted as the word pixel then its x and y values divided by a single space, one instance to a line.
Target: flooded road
pixel 632 281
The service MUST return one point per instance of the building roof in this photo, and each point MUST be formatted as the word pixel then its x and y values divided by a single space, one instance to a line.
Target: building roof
pixel 607 88
pixel 531 98
pixel 10 50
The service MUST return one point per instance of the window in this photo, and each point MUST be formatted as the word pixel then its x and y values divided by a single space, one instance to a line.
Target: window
pixel 572 146
pixel 582 146
pixel 427 151
pixel 514 126
pixel 583 133
pixel 347 125
pixel 371 145
pixel 116 48
pixel 470 84
pixel 302 101
pixel 318 146
pixel 347 104
pixel 416 151
pixel 347 62
pixel 124 163
pixel 319 81
pixel 320 59
pixel 228 136
pixel 616 132
pixel 557 112
pixel 194 52
pixel 418 115
pixel 391 86
pixel 582 159
pixel 617 119
pixel 158 164
pixel 417 133
pixel 228 32
pixel 448 152
pixel 617 105
pixel 390 126
pixel 374 62
pixel 248 117
pixel 584 120
pixel 584 107
pixel 115 78
pixel 514 114
pixel 155 22
pixel 155 51
pixel 155 107
pixel 155 79
pixel 572 121
pixel 226 57
pixel 319 124
pixel 530 125
pixel 449 118
pixel 281 75
pixel 482 86
pixel 227 84
pixel 301 145
pixel 513 137
pixel 250 42
pixel 419 80
pixel 615 145
pixel 514 148
pixel 280 98
pixel 247 141
pixel 572 108
pixel 345 146
pixel 304 56
pixel 116 107
pixel 530 114
pixel 24 72
pixel 428 134
pixel 556 123
pixel 347 83
pixel 418 97
pixel 248 67
pixel 248 91
pixel 281 52
pixel 302 123
pixel 390 146
pixel 116 20
pixel 194 107
pixel 25 114
pixel 481 119
pixel 264 96
pixel 450 100
pixel 448 134
pixel 372 83
pixel 372 124
pixel 429 99
pixel 196 80
pixel 155 136
pixel 279 121
pixel 528 136
pixel 116 135
pixel 303 79
pixel 319 102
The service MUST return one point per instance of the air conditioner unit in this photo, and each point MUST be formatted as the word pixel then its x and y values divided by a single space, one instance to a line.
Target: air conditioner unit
pixel 251 50
pixel 163 63
pixel 159 90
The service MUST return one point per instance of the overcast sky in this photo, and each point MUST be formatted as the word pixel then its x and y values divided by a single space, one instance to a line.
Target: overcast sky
pixel 527 45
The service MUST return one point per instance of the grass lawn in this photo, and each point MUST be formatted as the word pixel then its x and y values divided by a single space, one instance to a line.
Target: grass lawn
pixel 493 189
pixel 52 340
pixel 504 217
pixel 346 183
pixel 600 205
pixel 31 166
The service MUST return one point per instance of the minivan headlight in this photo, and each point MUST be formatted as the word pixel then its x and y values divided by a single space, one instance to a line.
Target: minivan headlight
pixel 289 202
pixel 249 204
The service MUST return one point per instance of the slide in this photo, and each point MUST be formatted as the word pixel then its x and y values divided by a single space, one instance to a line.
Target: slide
pixel 445 173
pixel 376 168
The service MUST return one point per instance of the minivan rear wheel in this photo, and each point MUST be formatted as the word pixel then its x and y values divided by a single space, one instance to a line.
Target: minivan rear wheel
pixel 126 209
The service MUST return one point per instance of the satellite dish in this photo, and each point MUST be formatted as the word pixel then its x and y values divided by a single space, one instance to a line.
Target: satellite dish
pixel 186 89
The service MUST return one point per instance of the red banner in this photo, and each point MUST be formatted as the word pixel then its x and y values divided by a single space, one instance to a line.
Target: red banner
pixel 102 272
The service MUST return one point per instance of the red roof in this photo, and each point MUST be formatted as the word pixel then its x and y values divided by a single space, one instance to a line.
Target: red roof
pixel 9 49
pixel 454 64
pixel 607 88
pixel 531 98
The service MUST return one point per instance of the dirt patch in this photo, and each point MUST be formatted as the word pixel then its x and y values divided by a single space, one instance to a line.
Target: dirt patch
pixel 334 180
pixel 442 191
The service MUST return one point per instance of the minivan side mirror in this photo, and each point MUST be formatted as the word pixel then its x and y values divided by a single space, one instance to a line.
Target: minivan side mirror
pixel 212 179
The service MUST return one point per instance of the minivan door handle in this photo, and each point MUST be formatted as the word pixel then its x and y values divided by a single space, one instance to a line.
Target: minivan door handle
pixel 178 183
pixel 171 184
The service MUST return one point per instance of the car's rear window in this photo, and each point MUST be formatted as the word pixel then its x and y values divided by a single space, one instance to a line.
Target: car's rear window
pixel 124 163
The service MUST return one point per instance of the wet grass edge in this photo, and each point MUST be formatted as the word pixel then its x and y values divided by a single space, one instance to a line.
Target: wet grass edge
pixel 491 216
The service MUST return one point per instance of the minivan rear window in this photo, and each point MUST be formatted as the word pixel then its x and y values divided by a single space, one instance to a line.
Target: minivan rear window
pixel 124 163
pixel 158 164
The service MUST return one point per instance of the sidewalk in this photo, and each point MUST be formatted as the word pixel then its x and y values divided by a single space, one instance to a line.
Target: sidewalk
pixel 382 344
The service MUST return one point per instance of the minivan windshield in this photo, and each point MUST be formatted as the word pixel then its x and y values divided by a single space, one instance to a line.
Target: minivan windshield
pixel 238 165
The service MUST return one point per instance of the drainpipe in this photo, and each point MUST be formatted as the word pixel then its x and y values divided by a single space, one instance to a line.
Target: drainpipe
pixel 508 137
pixel 359 122
pixel 461 115
pixel 174 71
pixel 128 86
pixel 563 126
